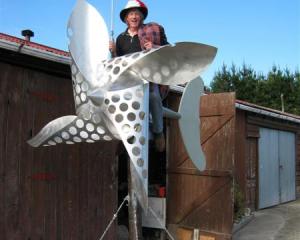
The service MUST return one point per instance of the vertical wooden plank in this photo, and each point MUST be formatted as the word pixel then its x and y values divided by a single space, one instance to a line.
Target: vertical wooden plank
pixel 4 69
pixel 27 156
pixel 203 200
pixel 83 197
pixel 251 172
pixel 240 151
pixel 102 199
pixel 79 202
pixel 13 154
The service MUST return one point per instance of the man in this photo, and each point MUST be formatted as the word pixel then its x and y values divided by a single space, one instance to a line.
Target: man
pixel 137 37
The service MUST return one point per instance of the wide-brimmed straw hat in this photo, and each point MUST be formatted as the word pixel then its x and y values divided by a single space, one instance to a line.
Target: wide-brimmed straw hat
pixel 131 4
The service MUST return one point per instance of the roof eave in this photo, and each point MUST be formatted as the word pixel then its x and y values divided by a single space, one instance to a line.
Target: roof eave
pixel 24 49
pixel 266 113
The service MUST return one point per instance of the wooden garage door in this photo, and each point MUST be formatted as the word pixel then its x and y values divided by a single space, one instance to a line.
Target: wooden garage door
pixel 276 167
pixel 64 192
pixel 203 200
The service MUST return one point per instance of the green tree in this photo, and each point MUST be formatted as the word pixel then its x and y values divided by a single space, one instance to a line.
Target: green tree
pixel 278 89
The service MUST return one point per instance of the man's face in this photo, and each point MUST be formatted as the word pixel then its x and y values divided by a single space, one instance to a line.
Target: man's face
pixel 134 18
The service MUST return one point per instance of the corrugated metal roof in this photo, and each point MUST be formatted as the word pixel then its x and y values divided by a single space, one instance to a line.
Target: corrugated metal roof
pixel 250 107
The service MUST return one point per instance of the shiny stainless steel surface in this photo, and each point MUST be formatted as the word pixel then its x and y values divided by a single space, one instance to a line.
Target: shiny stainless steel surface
pixel 112 96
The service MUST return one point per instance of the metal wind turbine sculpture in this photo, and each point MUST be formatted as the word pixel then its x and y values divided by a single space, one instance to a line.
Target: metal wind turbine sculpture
pixel 112 96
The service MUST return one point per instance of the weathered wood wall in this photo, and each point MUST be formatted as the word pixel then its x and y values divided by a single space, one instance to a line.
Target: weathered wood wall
pixel 203 200
pixel 246 161
pixel 64 192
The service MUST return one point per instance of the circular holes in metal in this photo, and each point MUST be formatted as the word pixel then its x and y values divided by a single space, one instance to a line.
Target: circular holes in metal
pixel 124 107
pixel 135 56
pixel 84 86
pixel 58 140
pixel 127 96
pixel 77 100
pixel 124 63
pixel 77 89
pixel 100 130
pixel 106 101
pixel 107 138
pixel 119 118
pixel 73 69
pixel 118 60
pixel 165 71
pixel 115 98
pixel 142 115
pixel 116 70
pixel 131 139
pixel 126 128
pixel 77 139
pixel 52 143
pixel 83 97
pixel 109 67
pixel 142 140
pixel 146 72
pixel 65 135
pixel 95 137
pixel 138 127
pixel 136 151
pixel 90 127
pixel 112 109
pixel 96 118
pixel 157 77
pixel 86 115
pixel 84 134
pixel 140 162
pixel 136 105
pixel 79 78
pixel 131 117
pixel 73 130
pixel 79 123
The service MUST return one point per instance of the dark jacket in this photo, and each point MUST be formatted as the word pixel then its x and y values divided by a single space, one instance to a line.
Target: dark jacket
pixel 152 32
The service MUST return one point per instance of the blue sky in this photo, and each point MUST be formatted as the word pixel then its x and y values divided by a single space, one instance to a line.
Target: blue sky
pixel 260 33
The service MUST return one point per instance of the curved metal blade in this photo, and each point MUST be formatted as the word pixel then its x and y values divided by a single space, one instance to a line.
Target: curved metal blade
pixel 128 110
pixel 89 40
pixel 189 123
pixel 168 65
pixel 172 65
pixel 70 130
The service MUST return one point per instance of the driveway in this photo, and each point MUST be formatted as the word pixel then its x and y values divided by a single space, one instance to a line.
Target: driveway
pixel 277 223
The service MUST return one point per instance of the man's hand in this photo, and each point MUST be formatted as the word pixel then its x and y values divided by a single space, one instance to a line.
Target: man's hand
pixel 148 45
pixel 112 48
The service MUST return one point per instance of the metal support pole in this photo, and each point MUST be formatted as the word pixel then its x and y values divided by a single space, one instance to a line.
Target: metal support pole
pixel 134 209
